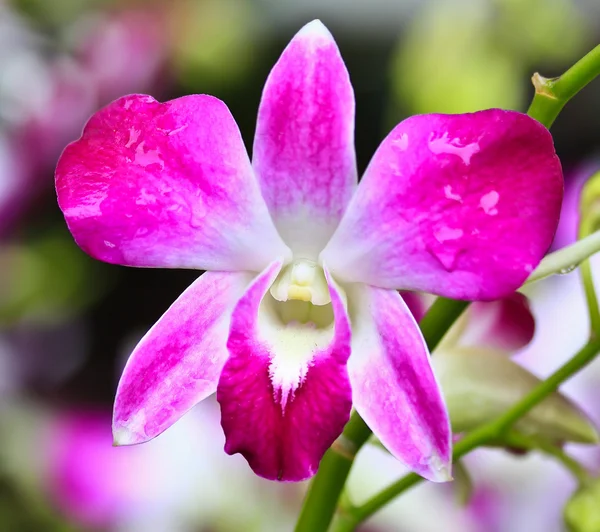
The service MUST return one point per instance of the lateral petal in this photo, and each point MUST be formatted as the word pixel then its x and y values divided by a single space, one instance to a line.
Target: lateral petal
pixel 178 362
pixel 284 391
pixel 463 206
pixel 166 185
pixel 393 386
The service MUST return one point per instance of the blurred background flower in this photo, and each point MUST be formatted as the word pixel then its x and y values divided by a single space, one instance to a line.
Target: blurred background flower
pixel 67 323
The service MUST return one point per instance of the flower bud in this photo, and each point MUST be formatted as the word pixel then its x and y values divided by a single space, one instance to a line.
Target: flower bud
pixel 480 384
pixel 582 512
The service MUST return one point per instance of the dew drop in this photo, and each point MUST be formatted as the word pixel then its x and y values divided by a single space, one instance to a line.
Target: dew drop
pixel 134 135
pixel 449 194
pixel 489 201
pixel 567 269
pixel 145 157
pixel 445 145
pixel 446 246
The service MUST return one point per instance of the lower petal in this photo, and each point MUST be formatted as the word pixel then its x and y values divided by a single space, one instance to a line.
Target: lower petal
pixel 284 391
pixel 393 386
pixel 178 363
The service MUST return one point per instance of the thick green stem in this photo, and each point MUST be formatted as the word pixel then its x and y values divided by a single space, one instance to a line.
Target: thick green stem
pixel 487 433
pixel 322 497
pixel 324 492
pixel 551 95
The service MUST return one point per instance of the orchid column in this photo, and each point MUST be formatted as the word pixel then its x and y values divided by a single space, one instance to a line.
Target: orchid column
pixel 298 317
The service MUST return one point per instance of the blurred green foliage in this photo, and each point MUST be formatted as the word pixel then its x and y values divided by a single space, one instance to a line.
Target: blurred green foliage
pixel 461 57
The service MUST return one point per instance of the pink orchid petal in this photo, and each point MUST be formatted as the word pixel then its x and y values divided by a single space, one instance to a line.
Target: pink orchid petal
pixel 166 185
pixel 506 324
pixel 393 386
pixel 283 403
pixel 463 206
pixel 304 144
pixel 178 363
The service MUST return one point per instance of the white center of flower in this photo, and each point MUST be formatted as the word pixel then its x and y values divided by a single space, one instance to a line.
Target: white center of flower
pixel 297 320
pixel 302 280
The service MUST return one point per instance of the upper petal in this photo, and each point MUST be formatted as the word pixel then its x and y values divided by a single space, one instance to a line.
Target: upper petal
pixel 178 362
pixel 284 391
pixel 304 144
pixel 168 185
pixel 393 386
pixel 463 206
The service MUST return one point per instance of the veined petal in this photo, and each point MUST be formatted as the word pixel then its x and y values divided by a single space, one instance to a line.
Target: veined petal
pixel 166 185
pixel 393 386
pixel 506 324
pixel 463 206
pixel 284 391
pixel 178 363
pixel 304 144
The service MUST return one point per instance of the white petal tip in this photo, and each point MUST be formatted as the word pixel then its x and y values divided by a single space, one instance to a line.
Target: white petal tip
pixel 438 470
pixel 441 474
pixel 123 436
pixel 315 29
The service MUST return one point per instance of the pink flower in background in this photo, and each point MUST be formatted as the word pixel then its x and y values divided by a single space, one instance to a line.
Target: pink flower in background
pixel 154 487
pixel 123 50
pixel 298 316
pixel 44 100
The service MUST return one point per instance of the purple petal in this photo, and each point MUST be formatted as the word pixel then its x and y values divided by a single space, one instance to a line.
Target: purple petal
pixel 284 391
pixel 304 145
pixel 506 324
pixel 393 386
pixel 178 362
pixel 166 185
pixel 463 206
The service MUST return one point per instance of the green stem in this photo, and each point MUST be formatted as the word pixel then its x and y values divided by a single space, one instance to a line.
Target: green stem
pixel 586 227
pixel 487 433
pixel 551 95
pixel 567 258
pixel 325 489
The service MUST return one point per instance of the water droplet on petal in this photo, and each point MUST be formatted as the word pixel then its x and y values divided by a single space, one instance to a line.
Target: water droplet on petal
pixel 489 201
pixel 445 145
pixel 451 195
pixel 446 233
pixel 401 142
pixel 145 157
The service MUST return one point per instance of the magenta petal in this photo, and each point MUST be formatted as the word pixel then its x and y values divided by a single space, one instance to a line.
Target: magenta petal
pixel 178 362
pixel 506 324
pixel 304 144
pixel 166 185
pixel 393 386
pixel 280 412
pixel 463 206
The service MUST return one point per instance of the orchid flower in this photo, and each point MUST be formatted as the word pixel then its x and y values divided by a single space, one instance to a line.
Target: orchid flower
pixel 298 316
